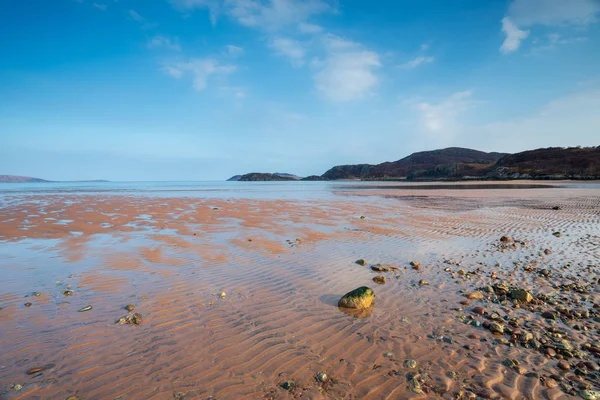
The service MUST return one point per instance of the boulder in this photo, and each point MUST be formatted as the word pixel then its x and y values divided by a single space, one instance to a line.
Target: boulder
pixel 358 298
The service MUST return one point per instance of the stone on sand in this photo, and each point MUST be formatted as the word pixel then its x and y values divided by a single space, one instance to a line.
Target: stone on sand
pixel 359 298
pixel 521 295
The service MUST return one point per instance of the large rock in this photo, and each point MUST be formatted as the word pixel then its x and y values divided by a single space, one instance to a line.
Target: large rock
pixel 358 298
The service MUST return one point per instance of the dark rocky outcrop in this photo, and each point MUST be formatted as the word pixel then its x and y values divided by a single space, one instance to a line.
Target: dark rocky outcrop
pixel 314 178
pixel 258 176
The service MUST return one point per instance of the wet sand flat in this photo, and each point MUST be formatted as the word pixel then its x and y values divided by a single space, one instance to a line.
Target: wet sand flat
pixel 239 296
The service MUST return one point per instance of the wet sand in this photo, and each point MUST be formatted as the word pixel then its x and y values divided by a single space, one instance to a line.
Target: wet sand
pixel 283 265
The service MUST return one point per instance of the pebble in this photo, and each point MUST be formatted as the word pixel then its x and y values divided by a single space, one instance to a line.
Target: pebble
pixel 548 315
pixel 423 282
pixel 322 377
pixel 496 327
pixel 35 370
pixel 479 310
pixel 84 309
pixel 361 262
pixel 410 364
pixel 564 365
pixel 388 354
pixel 379 268
pixel 28 304
pixel 129 307
pixel 550 383
pixel 589 394
pixel 379 280
pixel 133 319
pixel 475 296
pixel 222 295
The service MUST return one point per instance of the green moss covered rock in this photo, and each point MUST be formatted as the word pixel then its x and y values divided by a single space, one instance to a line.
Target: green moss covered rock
pixel 358 298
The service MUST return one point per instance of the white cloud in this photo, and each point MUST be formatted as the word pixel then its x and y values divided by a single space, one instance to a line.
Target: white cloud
pixel 274 14
pixel 135 16
pixel 348 70
pixel 290 48
pixel 161 41
pixel 424 47
pixel 100 6
pixel 200 70
pixel 527 13
pixel 415 62
pixel 555 40
pixel 514 36
pixel 304 27
pixel 524 14
pixel 262 14
pixel 233 51
pixel 441 119
pixel 213 6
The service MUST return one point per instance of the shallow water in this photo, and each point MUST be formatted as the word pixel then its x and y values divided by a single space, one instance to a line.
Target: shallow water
pixel 171 256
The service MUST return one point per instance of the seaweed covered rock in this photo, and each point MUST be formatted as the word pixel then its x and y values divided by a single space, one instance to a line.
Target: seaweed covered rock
pixel 358 298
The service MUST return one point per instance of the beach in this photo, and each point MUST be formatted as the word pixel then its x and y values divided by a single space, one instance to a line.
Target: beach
pixel 238 290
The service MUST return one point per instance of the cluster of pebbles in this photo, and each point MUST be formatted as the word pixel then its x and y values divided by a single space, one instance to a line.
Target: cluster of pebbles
pixel 563 323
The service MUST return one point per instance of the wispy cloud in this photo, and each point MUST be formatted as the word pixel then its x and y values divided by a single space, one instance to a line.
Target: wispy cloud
pixel 348 71
pixel 135 16
pixel 523 14
pixel 441 119
pixel 164 42
pixel 100 6
pixel 417 61
pixel 144 23
pixel 304 27
pixel 553 12
pixel 514 36
pixel 232 51
pixel 267 15
pixel 555 40
pixel 290 48
pixel 200 70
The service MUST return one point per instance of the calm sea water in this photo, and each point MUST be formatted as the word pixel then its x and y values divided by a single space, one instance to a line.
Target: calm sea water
pixel 279 190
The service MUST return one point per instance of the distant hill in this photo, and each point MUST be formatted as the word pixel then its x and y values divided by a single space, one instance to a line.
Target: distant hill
pixel 19 179
pixel 457 163
pixel 548 163
pixel 259 176
pixel 234 178
pixel 425 164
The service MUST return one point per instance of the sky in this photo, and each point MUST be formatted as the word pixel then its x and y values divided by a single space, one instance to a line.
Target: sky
pixel 205 89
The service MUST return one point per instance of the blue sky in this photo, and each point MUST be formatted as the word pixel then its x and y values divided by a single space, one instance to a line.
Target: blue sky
pixel 205 89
